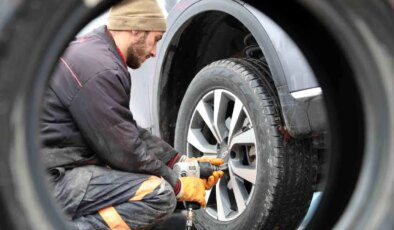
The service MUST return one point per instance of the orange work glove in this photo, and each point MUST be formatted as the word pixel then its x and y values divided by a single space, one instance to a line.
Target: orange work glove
pixel 214 161
pixel 213 179
pixel 193 190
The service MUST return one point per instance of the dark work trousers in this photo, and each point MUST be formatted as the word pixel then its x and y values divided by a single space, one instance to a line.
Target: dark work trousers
pixel 95 197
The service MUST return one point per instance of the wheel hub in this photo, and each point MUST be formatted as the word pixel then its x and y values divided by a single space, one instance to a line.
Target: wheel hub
pixel 223 151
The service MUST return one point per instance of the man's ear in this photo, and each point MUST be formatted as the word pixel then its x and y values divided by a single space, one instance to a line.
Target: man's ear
pixel 140 33
pixel 136 35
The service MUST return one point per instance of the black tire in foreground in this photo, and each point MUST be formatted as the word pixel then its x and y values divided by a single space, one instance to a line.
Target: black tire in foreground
pixel 33 34
pixel 282 190
pixel 350 45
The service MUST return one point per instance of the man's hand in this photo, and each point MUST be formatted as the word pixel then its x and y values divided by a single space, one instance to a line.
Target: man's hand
pixel 216 175
pixel 192 190
pixel 213 179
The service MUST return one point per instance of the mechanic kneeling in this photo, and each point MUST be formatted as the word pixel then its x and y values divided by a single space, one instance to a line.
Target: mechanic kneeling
pixel 107 172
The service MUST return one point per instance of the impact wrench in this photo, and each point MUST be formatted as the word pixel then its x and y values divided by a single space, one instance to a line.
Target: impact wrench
pixel 195 169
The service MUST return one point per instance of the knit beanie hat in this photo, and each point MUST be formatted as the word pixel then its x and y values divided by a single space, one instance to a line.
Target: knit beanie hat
pixel 144 15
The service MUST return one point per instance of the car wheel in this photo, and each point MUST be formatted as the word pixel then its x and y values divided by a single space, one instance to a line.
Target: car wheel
pixel 231 110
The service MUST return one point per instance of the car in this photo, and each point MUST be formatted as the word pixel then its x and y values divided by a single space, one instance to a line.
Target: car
pixel 296 97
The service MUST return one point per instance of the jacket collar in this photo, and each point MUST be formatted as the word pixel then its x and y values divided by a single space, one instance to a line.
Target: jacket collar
pixel 104 33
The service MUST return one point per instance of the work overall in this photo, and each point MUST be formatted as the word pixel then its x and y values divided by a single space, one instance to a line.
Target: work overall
pixel 95 197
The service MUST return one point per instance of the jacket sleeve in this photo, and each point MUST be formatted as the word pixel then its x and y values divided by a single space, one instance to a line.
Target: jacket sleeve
pixel 157 146
pixel 101 111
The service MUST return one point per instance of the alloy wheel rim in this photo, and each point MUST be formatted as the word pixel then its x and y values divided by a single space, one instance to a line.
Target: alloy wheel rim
pixel 221 127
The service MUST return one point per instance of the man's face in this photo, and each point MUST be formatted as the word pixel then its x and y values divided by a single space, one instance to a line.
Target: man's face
pixel 143 48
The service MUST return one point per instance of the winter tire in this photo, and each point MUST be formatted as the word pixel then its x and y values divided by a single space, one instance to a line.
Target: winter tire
pixel 230 110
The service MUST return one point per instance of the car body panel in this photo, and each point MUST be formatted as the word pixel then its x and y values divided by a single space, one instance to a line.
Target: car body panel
pixel 297 72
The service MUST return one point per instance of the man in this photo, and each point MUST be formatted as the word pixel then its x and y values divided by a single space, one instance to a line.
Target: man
pixel 107 172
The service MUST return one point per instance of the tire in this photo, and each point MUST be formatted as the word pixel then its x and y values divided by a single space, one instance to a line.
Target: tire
pixel 33 34
pixel 282 190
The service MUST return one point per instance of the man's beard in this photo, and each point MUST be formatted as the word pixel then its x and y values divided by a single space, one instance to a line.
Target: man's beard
pixel 136 53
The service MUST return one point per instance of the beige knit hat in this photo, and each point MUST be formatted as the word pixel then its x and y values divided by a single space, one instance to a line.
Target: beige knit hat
pixel 144 15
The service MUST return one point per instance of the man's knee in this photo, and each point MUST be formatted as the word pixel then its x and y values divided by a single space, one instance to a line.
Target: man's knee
pixel 158 203
pixel 171 198
pixel 165 198
pixel 156 193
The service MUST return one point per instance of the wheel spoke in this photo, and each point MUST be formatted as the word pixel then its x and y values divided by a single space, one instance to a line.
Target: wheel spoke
pixel 243 171
pixel 206 114
pixel 245 138
pixel 198 140
pixel 208 194
pixel 240 193
pixel 236 120
pixel 219 113
pixel 222 202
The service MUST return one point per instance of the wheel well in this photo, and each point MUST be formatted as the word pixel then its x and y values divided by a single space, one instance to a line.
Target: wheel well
pixel 208 37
